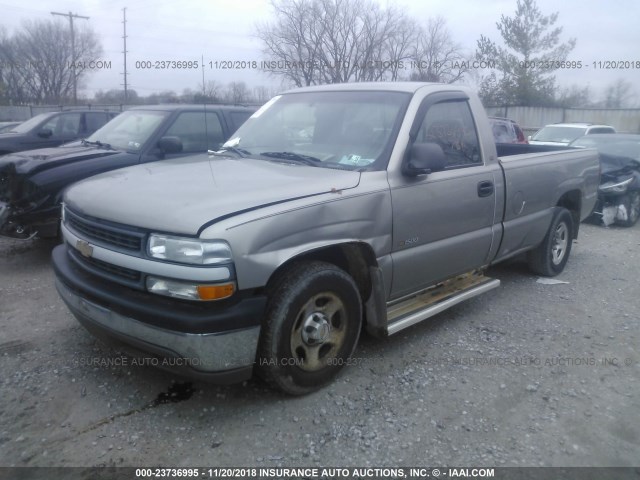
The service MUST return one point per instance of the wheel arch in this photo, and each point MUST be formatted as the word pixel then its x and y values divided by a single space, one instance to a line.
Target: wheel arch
pixel 572 201
pixel 355 258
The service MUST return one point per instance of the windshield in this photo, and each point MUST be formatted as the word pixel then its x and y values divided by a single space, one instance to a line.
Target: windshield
pixel 130 130
pixel 559 134
pixel 623 148
pixel 30 124
pixel 351 130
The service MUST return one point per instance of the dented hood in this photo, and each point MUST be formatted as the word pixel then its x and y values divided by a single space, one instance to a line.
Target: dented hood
pixel 30 162
pixel 182 195
pixel 617 164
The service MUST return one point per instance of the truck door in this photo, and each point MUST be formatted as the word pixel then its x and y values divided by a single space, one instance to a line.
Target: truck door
pixel 442 221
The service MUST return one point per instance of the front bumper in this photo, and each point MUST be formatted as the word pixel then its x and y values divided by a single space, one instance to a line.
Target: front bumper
pixel 216 345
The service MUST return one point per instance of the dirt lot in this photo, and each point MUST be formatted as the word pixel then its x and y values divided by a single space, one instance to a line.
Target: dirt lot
pixel 526 375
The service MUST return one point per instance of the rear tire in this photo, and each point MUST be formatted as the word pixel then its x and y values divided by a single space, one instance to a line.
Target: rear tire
pixel 550 257
pixel 312 326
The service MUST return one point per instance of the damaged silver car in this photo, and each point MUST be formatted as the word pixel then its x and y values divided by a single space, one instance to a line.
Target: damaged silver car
pixel 619 190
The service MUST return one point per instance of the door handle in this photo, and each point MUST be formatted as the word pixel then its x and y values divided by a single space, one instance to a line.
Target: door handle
pixel 485 189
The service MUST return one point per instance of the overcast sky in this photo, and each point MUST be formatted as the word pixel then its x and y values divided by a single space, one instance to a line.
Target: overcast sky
pixel 224 30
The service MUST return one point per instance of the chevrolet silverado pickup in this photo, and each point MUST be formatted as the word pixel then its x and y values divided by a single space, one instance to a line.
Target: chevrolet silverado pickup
pixel 332 210
pixel 32 183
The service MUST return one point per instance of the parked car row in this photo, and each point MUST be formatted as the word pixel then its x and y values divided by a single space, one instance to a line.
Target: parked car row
pixel 320 216
pixel 619 191
pixel 565 133
pixel 32 182
pixel 52 129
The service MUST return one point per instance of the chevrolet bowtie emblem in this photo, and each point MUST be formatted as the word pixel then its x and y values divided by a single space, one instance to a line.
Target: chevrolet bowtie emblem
pixel 85 248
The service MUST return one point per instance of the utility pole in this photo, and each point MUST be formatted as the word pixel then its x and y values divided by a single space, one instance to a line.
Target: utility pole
pixel 71 16
pixel 124 36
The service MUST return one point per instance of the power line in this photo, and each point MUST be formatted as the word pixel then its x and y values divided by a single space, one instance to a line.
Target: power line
pixel 71 16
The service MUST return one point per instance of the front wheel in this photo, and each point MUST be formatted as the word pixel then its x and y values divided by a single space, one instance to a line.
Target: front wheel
pixel 631 203
pixel 550 257
pixel 311 328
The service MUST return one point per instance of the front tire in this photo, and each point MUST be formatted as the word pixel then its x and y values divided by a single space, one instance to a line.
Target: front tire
pixel 550 257
pixel 312 326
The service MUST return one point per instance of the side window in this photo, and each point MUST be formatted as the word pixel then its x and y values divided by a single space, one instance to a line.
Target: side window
pixel 64 125
pixel 600 130
pixel 95 121
pixel 195 134
pixel 450 125
pixel 238 118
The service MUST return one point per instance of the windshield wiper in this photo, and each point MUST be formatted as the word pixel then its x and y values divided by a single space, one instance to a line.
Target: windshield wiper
pixel 294 157
pixel 97 143
pixel 241 152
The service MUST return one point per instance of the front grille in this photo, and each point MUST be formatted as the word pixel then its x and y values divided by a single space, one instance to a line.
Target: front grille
pixel 103 233
pixel 122 275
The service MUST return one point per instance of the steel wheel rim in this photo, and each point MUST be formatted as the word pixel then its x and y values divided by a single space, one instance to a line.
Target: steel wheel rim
pixel 560 242
pixel 318 332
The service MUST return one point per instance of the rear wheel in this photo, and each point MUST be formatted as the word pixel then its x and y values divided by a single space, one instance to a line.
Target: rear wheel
pixel 550 257
pixel 631 203
pixel 311 327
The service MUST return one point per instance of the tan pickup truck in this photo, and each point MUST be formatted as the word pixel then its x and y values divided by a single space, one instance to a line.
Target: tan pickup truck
pixel 332 210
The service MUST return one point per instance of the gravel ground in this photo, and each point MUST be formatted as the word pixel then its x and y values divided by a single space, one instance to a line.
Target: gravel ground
pixel 526 375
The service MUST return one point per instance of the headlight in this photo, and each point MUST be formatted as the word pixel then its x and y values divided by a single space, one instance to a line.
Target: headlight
pixel 615 187
pixel 189 250
pixel 189 290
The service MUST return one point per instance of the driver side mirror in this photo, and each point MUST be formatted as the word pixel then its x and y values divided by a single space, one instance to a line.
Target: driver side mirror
pixel 170 145
pixel 424 158
pixel 45 133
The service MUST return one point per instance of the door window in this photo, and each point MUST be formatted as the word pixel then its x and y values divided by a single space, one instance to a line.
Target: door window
pixel 64 125
pixel 450 125
pixel 95 121
pixel 196 134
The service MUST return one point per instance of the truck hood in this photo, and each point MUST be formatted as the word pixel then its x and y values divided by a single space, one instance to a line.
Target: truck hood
pixel 34 161
pixel 182 195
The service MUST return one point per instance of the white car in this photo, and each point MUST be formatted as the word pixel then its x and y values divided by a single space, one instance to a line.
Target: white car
pixel 565 133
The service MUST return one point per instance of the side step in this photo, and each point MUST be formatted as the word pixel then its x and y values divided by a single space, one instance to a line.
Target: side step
pixel 407 312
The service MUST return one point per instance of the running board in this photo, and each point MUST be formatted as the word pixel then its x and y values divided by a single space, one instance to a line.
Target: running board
pixel 436 299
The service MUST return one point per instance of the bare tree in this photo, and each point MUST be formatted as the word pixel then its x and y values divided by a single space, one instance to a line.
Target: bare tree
pixel 291 41
pixel 212 91
pixel 39 64
pixel 332 41
pixel 237 92
pixel 117 96
pixel 574 96
pixel 620 94
pixel 262 94
pixel 436 57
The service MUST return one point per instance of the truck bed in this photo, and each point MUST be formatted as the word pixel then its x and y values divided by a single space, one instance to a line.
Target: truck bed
pixel 537 176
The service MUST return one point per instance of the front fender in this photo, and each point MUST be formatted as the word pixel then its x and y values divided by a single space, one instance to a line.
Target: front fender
pixel 264 240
